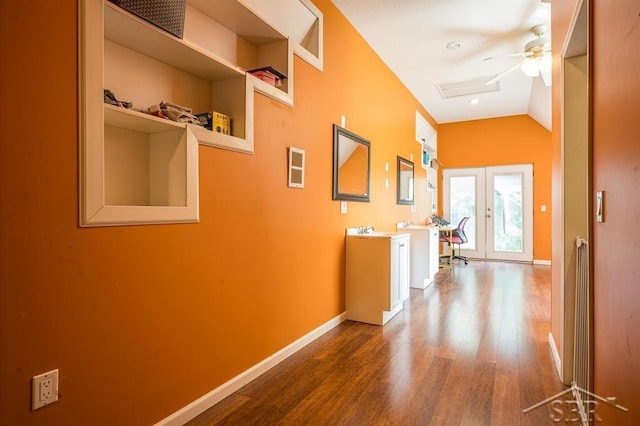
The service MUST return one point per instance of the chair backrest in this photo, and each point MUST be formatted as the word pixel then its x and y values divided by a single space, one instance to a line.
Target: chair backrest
pixel 459 231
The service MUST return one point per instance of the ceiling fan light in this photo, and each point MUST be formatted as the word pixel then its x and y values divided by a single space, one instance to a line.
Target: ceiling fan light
pixel 530 67
pixel 545 64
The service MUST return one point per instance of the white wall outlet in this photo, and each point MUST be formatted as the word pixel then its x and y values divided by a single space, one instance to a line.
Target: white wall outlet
pixel 343 207
pixel 44 389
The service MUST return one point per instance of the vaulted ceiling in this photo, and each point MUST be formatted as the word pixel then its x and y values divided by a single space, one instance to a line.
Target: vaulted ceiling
pixel 439 50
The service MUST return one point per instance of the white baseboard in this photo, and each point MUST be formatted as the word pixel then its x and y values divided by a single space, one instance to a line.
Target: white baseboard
pixel 541 262
pixel 207 401
pixel 556 355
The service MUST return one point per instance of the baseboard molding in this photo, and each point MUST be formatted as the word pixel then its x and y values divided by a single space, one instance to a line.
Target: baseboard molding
pixel 207 401
pixel 541 262
pixel 556 355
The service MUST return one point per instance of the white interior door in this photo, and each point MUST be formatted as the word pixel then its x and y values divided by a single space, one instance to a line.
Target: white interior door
pixel 499 203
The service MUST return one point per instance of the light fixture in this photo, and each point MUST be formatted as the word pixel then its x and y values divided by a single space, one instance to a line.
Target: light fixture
pixel 530 67
pixel 454 45
pixel 536 65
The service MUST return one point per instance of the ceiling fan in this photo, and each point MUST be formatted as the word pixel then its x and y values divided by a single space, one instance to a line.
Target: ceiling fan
pixel 537 57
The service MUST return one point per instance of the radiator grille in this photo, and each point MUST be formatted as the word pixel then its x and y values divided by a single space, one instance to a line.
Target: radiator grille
pixel 582 336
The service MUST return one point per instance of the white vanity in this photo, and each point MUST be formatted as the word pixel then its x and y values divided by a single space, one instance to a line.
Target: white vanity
pixel 377 279
pixel 424 253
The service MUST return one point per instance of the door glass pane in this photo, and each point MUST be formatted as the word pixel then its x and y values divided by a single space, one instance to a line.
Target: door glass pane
pixel 463 203
pixel 507 213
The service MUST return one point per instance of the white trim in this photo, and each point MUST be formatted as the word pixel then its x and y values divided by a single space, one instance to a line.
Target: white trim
pixel 541 262
pixel 556 355
pixel 208 400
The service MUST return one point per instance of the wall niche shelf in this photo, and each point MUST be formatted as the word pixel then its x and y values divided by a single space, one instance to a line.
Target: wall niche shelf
pixel 302 20
pixel 140 169
pixel 427 137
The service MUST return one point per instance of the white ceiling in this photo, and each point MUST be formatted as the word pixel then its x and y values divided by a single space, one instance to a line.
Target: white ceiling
pixel 411 38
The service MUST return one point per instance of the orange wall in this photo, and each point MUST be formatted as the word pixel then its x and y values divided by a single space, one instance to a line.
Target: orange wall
pixel 160 315
pixel 502 141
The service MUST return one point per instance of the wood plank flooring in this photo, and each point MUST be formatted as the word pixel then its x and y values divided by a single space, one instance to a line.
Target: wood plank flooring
pixel 471 349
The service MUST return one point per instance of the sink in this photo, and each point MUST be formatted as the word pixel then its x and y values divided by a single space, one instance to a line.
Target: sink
pixel 380 234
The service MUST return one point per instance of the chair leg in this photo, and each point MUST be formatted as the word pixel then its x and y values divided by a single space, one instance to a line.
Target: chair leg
pixel 458 256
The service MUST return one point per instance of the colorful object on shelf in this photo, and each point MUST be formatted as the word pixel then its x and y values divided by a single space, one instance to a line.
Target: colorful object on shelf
pixel 269 75
pixel 215 121
pixel 426 158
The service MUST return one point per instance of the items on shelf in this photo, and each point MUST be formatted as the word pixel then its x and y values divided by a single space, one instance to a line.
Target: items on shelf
pixel 173 112
pixel 215 121
pixel 110 98
pixel 439 220
pixel 426 158
pixel 269 75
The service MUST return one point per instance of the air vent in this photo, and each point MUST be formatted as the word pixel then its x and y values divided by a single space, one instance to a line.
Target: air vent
pixel 467 87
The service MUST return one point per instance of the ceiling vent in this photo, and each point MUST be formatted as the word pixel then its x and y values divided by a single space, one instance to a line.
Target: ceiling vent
pixel 467 87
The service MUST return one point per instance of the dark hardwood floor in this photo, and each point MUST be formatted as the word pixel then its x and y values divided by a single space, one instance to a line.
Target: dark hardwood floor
pixel 471 349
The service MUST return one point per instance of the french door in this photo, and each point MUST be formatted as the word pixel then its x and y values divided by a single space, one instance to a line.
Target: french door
pixel 499 203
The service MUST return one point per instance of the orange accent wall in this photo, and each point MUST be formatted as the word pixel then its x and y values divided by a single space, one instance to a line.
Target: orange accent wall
pixel 160 315
pixel 502 141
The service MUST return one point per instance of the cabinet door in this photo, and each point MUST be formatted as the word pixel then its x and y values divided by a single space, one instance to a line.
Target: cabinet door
pixel 394 289
pixel 434 252
pixel 399 271
pixel 402 262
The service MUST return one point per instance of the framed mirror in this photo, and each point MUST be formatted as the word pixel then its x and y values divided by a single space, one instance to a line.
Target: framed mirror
pixel 351 159
pixel 405 181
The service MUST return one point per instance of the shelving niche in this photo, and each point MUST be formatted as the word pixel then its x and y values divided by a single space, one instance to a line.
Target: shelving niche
pixel 427 137
pixel 302 20
pixel 140 169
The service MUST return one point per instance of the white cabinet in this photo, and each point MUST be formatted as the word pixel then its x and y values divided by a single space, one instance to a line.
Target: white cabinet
pixel 424 254
pixel 377 279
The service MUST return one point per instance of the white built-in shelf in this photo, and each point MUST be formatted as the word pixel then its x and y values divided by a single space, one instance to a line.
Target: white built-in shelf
pixel 130 31
pixel 140 169
pixel 232 30
pixel 302 21
pixel 147 172
pixel 427 137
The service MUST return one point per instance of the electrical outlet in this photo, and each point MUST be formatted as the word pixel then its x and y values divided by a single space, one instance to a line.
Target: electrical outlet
pixel 44 389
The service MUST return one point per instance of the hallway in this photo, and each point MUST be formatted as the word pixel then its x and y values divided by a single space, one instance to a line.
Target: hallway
pixel 471 349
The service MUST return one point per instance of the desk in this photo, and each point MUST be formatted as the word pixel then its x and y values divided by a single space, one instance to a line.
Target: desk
pixel 450 231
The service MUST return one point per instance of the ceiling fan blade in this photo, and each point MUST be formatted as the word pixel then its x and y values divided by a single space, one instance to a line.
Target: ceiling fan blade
pixel 504 73
pixel 546 78
pixel 491 58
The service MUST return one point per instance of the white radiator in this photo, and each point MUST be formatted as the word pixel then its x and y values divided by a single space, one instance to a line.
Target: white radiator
pixel 582 334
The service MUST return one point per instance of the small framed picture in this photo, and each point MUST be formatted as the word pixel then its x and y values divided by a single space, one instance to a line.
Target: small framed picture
pixel 296 167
